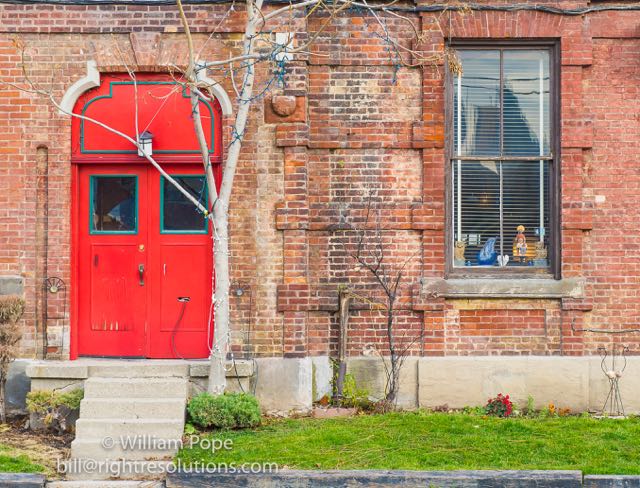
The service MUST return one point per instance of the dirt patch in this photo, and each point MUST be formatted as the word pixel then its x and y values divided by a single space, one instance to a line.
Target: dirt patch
pixel 41 447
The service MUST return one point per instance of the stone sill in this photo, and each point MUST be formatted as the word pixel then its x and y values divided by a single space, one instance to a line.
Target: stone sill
pixel 503 288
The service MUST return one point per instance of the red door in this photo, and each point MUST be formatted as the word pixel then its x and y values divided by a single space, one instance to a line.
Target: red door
pixel 181 256
pixel 144 263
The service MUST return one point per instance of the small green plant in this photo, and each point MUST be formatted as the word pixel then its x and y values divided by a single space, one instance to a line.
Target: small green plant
pixel 54 407
pixel 43 401
pixel 189 429
pixel 499 406
pixel 476 411
pixel 549 411
pixel 40 401
pixel 228 411
pixel 71 399
pixel 352 395
pixel 530 409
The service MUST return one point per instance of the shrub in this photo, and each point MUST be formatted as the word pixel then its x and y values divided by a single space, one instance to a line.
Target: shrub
pixel 40 401
pixel 55 409
pixel 71 399
pixel 499 406
pixel 43 401
pixel 228 411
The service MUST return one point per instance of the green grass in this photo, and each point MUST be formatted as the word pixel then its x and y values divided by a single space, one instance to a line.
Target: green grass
pixel 434 441
pixel 11 462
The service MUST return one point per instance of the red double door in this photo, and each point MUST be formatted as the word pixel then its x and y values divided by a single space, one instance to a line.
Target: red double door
pixel 144 263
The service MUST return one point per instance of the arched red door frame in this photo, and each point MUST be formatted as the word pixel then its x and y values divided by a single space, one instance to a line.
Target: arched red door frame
pixel 175 146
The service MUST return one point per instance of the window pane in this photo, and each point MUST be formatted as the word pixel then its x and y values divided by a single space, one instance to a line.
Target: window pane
pixel 485 191
pixel 113 203
pixel 477 220
pixel 178 213
pixel 522 206
pixel 476 104
pixel 526 102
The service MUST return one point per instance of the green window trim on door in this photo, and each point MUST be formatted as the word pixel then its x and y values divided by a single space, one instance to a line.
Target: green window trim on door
pixel 93 179
pixel 203 197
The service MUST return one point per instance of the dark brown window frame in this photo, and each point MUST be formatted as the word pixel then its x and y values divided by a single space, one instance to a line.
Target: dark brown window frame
pixel 555 196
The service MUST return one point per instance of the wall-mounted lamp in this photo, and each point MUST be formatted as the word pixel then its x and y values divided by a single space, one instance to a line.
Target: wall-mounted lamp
pixel 145 140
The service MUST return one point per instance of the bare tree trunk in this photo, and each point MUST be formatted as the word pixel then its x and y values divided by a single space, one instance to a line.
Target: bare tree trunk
pixel 344 305
pixel 217 377
pixel 392 392
pixel 217 374
pixel 3 405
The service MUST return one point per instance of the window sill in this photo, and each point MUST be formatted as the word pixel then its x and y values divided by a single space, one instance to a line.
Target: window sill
pixel 503 288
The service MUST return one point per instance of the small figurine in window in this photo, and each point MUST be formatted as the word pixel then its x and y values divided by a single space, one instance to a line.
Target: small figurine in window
pixel 520 245
pixel 487 255
pixel 541 254
pixel 458 253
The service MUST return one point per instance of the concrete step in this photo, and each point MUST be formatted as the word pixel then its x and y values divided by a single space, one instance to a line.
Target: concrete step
pixel 122 470
pixel 94 449
pixel 136 388
pixel 134 369
pixel 132 408
pixel 116 428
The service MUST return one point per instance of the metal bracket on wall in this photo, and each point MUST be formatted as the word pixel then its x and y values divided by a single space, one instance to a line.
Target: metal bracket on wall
pixel 54 286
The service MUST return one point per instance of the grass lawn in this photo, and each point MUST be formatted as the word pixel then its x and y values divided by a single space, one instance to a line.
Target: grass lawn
pixel 13 462
pixel 435 441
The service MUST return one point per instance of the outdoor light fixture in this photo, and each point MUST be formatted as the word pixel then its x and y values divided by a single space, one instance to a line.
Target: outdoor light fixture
pixel 146 144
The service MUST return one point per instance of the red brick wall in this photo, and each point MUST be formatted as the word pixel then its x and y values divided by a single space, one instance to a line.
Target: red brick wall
pixel 368 126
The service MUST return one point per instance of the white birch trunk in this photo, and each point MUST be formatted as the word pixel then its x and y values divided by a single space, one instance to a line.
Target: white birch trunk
pixel 217 376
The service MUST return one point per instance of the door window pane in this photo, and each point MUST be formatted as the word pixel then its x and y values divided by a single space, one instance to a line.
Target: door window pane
pixel 179 215
pixel 114 205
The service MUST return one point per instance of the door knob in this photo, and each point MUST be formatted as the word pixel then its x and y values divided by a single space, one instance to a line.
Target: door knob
pixel 141 273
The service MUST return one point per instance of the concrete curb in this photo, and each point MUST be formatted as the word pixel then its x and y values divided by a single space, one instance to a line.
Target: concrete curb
pixel 382 479
pixel 409 479
pixel 611 481
pixel 21 480
pixel 349 479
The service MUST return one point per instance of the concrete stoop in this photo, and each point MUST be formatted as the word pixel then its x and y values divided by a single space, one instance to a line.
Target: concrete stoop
pixel 131 423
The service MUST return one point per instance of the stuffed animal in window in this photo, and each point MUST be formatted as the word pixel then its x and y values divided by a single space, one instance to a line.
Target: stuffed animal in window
pixel 520 245
pixel 487 255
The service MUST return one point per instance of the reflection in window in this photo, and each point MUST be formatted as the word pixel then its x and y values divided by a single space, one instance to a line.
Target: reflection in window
pixel 113 203
pixel 501 103
pixel 178 213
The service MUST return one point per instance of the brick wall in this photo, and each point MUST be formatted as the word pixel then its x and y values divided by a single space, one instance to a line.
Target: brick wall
pixel 366 126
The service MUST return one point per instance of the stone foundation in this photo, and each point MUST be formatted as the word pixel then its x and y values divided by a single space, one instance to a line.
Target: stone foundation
pixel 290 385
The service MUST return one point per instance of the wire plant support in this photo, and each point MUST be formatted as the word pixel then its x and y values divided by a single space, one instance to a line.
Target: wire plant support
pixel 613 406
pixel 614 399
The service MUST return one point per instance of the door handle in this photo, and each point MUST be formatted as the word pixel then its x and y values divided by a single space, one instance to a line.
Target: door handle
pixel 141 273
